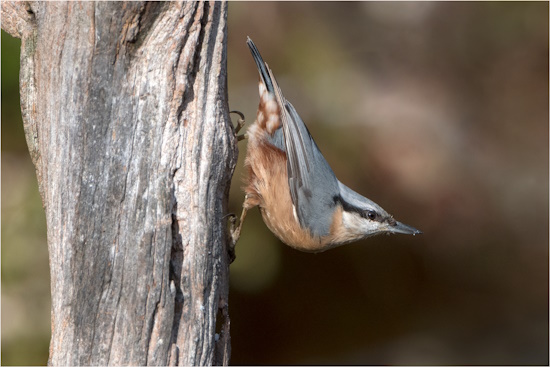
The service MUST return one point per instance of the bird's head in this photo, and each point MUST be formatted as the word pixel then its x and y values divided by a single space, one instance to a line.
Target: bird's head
pixel 362 217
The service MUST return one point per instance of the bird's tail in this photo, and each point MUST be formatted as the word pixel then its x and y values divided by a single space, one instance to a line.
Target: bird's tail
pixel 262 66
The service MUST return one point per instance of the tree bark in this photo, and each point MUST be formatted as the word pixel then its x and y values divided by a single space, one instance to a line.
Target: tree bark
pixel 125 113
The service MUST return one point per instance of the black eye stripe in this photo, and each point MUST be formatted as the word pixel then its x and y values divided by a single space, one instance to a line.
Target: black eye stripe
pixel 347 206
pixel 367 214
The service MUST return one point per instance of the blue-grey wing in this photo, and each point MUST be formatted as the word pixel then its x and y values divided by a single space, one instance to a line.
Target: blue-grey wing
pixel 312 183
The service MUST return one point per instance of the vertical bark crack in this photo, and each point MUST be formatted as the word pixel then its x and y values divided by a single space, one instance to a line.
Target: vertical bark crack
pixel 128 135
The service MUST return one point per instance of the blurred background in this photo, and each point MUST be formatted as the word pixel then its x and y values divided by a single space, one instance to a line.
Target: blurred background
pixel 438 112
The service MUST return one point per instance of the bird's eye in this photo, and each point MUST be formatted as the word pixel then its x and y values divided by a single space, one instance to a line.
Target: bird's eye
pixel 371 214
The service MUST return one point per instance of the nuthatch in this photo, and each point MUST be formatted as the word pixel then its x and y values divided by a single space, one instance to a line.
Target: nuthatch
pixel 301 200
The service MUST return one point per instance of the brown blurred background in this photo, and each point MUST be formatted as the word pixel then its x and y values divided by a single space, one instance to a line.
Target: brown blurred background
pixel 436 111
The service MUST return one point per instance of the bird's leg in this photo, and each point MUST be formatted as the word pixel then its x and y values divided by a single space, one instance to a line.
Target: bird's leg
pixel 240 124
pixel 235 230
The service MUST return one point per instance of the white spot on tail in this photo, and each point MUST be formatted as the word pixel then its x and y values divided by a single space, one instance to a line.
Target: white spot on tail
pixel 294 213
pixel 262 88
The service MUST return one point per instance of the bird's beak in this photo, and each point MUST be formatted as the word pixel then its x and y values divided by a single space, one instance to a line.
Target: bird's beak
pixel 399 227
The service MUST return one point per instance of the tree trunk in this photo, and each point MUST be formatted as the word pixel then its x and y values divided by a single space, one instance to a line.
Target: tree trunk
pixel 126 118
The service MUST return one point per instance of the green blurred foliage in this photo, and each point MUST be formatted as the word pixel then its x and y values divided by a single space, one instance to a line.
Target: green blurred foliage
pixel 12 125
pixel 25 274
pixel 438 111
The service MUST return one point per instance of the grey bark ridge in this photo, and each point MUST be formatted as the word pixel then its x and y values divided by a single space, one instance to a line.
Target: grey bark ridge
pixel 125 113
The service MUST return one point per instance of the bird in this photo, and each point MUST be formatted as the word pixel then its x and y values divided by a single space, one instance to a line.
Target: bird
pixel 300 198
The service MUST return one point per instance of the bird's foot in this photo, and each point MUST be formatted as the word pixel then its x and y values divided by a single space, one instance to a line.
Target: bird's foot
pixel 239 126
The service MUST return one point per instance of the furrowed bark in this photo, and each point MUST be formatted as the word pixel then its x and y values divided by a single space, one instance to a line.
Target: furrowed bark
pixel 125 113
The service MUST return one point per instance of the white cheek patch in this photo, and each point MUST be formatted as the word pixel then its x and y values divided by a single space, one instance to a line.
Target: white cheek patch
pixel 354 223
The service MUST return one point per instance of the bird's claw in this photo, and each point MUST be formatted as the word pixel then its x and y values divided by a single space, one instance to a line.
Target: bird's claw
pixel 239 126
